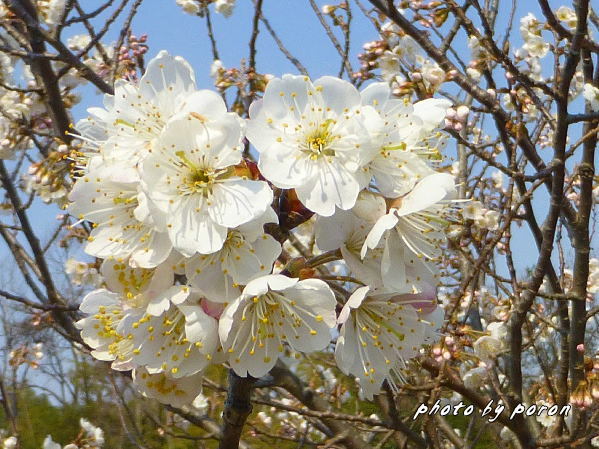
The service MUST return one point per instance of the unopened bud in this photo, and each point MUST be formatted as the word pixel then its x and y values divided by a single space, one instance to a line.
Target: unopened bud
pixel 462 113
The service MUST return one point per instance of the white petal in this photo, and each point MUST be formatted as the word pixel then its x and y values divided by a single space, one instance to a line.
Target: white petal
pixel 338 94
pixel 376 95
pixel 238 201
pixel 432 111
pixel 166 78
pixel 427 192
pixel 193 232
pixel 382 225
pixel 393 268
pixel 333 186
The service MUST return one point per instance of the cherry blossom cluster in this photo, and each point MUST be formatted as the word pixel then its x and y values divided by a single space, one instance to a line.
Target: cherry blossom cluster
pixel 196 7
pixel 178 211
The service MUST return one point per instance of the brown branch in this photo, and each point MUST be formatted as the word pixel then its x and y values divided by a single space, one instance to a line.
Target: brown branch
pixel 238 407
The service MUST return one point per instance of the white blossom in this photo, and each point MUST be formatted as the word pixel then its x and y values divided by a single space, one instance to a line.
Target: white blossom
pixel 99 328
pixel 487 347
pixel 378 334
pixel 475 377
pixel 567 15
pixel 49 443
pixel 413 232
pixel 10 443
pixel 54 11
pixel 167 389
pixel 151 290
pixel 135 116
pixel 347 231
pixel 247 253
pixel 544 418
pixel 224 7
pixel 94 434
pixel 82 273
pixel 193 186
pixel 189 6
pixel 315 138
pixel 182 341
pixel 273 311
pixel 591 95
pixel 122 225
pixel 401 159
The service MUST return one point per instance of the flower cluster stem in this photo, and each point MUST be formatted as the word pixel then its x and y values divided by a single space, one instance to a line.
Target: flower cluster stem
pixel 238 407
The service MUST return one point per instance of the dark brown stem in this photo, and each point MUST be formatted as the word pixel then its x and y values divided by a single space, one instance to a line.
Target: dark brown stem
pixel 238 407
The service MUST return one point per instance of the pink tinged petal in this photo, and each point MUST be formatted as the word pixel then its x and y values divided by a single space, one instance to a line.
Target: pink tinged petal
pixel 382 225
pixel 213 309
pixel 424 302
pixel 235 202
pixel 199 326
pixel 429 191
pixel 333 185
